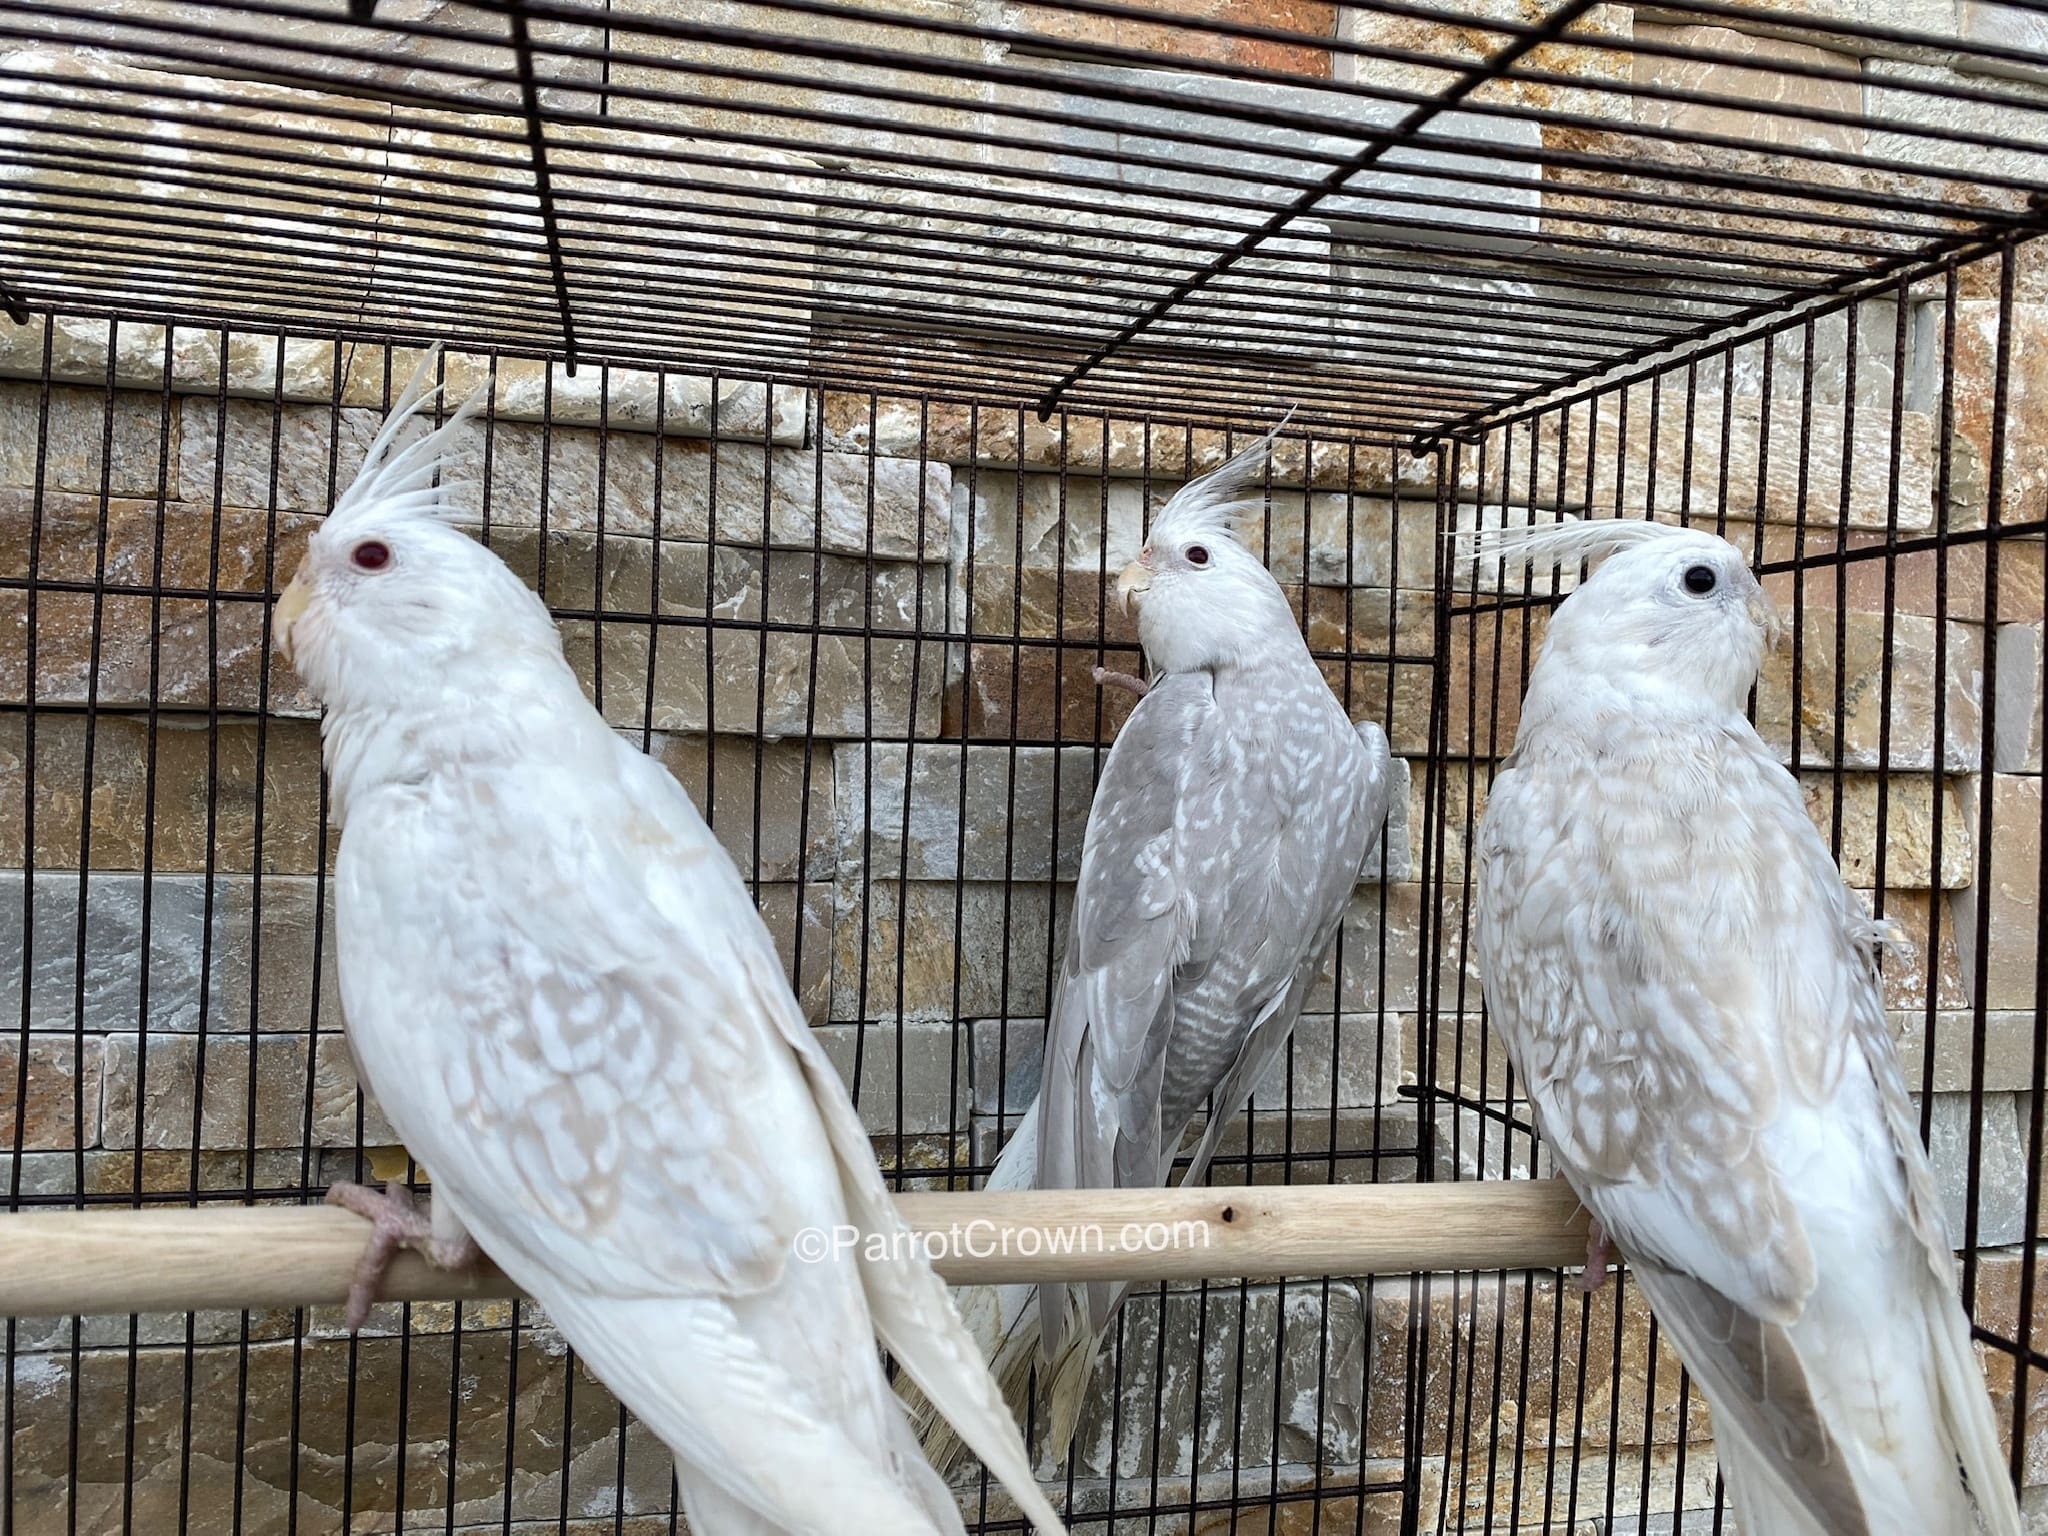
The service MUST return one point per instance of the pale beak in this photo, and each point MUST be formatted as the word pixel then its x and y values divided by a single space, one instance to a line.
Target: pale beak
pixel 1134 580
pixel 291 607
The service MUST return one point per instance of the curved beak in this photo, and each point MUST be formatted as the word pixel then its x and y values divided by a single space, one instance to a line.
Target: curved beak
pixel 291 606
pixel 1134 580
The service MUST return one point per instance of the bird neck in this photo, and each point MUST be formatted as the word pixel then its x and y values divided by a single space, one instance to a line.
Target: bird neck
pixel 369 747
pixel 1581 710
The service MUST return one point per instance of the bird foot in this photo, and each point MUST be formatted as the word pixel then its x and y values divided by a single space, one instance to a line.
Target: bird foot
pixel 1594 1275
pixel 1104 678
pixel 395 1223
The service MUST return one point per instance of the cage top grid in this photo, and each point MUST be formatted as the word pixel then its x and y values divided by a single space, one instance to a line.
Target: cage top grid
pixel 1418 226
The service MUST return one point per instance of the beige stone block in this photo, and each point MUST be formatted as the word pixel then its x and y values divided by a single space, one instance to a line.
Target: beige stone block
pixel 1441 49
pixel 800 920
pixel 1352 1061
pixel 2008 1049
pixel 774 683
pixel 1497 1326
pixel 1388 918
pixel 1024 811
pixel 792 817
pixel 304 372
pixel 2002 907
pixel 450 50
pixel 932 950
pixel 178 652
pixel 318 1406
pixel 1762 99
pixel 1906 847
pixel 1486 670
pixel 1887 704
pixel 2013 152
pixel 172 1092
pixel 1950 583
pixel 1930 966
pixel 1040 694
pixel 999 441
pixel 1086 524
pixel 2017 748
pixel 1613 459
pixel 1996 26
pixel 912 1076
pixel 66 431
pixel 41 1087
pixel 208 793
pixel 215 955
pixel 1976 343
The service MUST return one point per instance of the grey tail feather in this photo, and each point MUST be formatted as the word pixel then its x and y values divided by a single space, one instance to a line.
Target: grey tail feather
pixel 1069 1375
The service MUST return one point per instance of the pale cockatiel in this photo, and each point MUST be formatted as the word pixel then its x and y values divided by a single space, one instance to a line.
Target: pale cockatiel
pixel 558 990
pixel 1228 831
pixel 1688 992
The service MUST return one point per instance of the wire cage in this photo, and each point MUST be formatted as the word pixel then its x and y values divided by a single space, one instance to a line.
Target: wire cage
pixel 837 352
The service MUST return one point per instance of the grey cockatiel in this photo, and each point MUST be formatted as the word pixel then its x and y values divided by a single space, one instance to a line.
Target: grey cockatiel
pixel 562 996
pixel 1689 996
pixel 1227 833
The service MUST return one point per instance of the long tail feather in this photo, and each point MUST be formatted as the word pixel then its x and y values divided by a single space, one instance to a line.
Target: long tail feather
pixel 1966 1408
pixel 1003 1319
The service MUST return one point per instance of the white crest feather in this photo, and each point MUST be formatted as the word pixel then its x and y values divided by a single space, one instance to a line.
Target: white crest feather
pixel 1565 542
pixel 407 481
pixel 1206 506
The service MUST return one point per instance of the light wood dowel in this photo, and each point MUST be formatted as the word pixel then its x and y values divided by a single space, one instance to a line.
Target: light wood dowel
pixel 69 1263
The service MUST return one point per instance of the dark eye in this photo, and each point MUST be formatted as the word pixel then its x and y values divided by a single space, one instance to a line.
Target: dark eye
pixel 1699 580
pixel 371 555
pixel 1197 555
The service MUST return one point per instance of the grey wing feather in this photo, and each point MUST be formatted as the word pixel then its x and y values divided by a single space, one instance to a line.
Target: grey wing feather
pixel 1133 927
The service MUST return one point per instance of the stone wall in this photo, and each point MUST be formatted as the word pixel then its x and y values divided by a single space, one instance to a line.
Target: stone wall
pixel 860 632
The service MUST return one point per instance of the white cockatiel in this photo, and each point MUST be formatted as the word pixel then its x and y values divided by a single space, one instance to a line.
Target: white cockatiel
pixel 559 991
pixel 1227 833
pixel 1688 992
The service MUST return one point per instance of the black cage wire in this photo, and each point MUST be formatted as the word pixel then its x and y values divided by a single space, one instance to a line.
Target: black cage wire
pixel 837 353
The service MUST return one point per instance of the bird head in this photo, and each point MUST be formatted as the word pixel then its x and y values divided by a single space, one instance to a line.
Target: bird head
pixel 393 605
pixel 1674 610
pixel 1204 601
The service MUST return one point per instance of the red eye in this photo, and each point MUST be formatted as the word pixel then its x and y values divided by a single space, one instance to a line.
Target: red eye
pixel 371 555
pixel 1197 555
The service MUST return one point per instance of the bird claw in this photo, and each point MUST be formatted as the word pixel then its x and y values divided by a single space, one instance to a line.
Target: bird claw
pixel 1104 678
pixel 395 1223
pixel 1594 1275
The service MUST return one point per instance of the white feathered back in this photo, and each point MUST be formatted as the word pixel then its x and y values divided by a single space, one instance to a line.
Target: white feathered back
pixel 405 481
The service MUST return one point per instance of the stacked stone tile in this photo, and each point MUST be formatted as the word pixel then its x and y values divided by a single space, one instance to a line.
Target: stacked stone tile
pixel 910 811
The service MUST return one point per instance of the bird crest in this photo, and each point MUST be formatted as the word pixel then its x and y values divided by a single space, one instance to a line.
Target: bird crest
pixel 1564 542
pixel 1207 506
pixel 405 482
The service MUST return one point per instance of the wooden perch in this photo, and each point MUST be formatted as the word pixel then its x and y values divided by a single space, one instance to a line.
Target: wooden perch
pixel 75 1263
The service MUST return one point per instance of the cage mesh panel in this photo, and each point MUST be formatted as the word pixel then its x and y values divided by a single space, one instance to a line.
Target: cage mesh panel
pixel 836 358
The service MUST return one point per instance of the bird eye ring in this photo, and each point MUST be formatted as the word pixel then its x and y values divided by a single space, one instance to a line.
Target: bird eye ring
pixel 1197 555
pixel 370 555
pixel 1699 580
